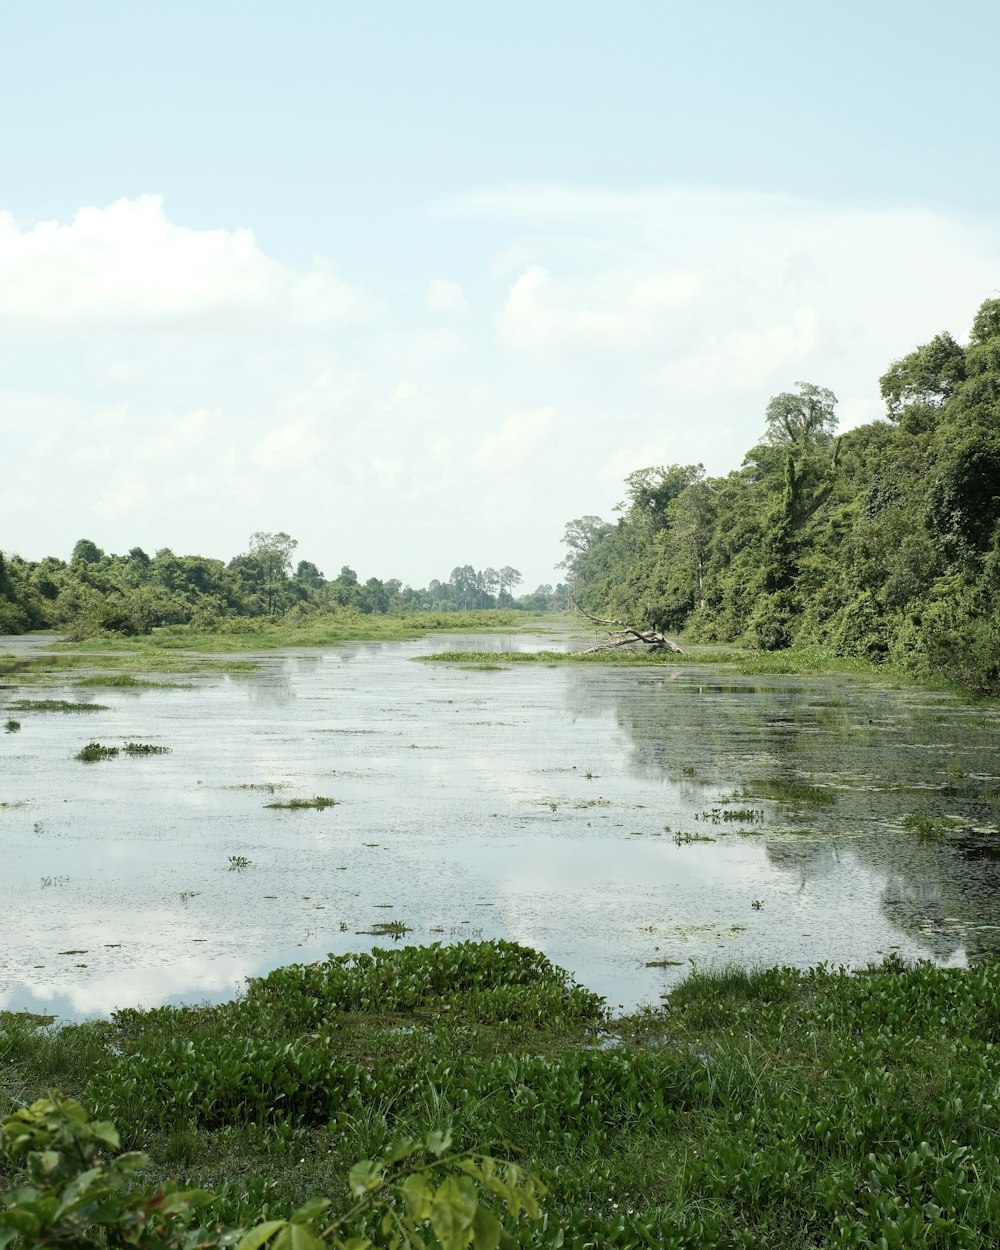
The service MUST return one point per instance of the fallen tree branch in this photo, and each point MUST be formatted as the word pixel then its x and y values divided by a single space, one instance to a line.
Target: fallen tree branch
pixel 628 636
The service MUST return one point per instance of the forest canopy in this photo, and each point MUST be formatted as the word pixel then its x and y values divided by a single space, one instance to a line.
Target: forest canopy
pixel 132 594
pixel 882 542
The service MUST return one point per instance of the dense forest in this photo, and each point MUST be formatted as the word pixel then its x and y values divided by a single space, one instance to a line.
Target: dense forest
pixel 131 594
pixel 882 543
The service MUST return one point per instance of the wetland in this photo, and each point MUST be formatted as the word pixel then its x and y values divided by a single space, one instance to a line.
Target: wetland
pixel 168 836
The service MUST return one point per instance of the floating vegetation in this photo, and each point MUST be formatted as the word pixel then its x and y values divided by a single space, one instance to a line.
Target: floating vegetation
pixel 722 815
pixel 269 787
pixel 585 803
pixel 298 805
pixel 781 791
pixel 120 681
pixel 487 668
pixel 54 705
pixel 684 839
pixel 12 726
pixel 386 928
pixel 928 828
pixel 96 751
pixel 145 748
pixel 665 963
pixel 239 861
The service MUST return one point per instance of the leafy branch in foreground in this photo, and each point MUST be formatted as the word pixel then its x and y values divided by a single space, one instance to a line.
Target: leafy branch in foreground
pixel 418 1195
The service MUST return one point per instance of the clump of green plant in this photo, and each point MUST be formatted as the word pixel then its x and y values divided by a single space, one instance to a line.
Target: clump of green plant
pixel 296 805
pixel 96 751
pixel 119 681
pixel 926 827
pixel 782 791
pixel 55 705
pixel 12 726
pixel 145 748
pixel 239 861
pixel 682 838
pixel 77 1190
pixel 387 928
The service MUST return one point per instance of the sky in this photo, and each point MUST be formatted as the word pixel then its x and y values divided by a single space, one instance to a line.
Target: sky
pixel 418 283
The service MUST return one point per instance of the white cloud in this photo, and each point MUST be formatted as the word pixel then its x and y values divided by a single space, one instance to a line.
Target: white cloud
pixel 446 297
pixel 515 440
pixel 201 389
pixel 129 266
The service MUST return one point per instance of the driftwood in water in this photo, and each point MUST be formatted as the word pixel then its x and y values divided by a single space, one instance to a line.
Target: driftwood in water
pixel 628 636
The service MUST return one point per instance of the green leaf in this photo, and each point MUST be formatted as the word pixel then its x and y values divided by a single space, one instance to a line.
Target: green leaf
pixel 309 1210
pixel 297 1237
pixel 486 1229
pixel 401 1148
pixel 453 1209
pixel 365 1175
pixel 107 1134
pixel 255 1237
pixel 438 1142
pixel 418 1196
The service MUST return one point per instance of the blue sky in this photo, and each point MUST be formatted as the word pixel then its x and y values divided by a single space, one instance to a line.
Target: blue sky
pixel 418 283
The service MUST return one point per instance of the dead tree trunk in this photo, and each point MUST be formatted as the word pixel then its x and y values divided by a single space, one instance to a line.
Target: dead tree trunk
pixel 626 635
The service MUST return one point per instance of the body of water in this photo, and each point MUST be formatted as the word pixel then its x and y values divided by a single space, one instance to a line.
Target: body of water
pixel 627 821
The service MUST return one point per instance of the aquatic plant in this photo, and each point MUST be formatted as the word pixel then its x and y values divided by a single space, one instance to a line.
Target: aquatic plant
pixel 54 705
pixel 387 928
pixel 769 1109
pixel 96 751
pixel 145 748
pixel 80 1191
pixel 12 726
pixel 296 805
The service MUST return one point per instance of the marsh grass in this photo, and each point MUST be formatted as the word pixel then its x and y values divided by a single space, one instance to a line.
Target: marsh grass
pixel 782 791
pixel 54 705
pixel 807 661
pixel 121 681
pixel 297 805
pixel 767 1109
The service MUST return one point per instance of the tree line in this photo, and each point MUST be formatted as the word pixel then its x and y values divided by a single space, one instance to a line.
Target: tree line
pixel 133 593
pixel 882 542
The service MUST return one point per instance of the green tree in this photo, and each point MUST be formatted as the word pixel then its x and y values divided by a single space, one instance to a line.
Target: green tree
pixel 801 420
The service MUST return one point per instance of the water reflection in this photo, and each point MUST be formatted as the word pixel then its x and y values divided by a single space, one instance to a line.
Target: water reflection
pixel 584 810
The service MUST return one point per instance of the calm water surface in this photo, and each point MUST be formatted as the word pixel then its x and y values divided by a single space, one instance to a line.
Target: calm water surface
pixel 556 806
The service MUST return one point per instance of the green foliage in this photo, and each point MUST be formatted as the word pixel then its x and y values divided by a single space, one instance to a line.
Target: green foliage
pixel 417 1194
pixel 54 705
pixel 772 1109
pixel 94 751
pixel 882 545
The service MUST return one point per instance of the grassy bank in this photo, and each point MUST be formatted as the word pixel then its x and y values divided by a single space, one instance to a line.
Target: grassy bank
pixel 770 1109
pixel 189 648
pixel 812 660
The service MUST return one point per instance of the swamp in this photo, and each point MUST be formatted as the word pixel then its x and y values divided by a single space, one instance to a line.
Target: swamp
pixel 775 896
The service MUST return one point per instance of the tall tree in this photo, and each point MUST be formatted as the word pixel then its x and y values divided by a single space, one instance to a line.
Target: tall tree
pixel 801 420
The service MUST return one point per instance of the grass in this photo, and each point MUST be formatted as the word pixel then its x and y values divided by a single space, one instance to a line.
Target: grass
pixel 811 660
pixel 54 705
pixel 776 1109
pixel 298 805
pixel 122 681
